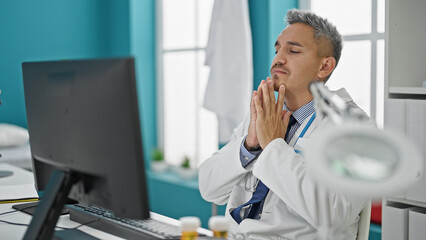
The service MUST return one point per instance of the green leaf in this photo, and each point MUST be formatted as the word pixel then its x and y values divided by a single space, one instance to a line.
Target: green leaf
pixel 186 162
pixel 157 155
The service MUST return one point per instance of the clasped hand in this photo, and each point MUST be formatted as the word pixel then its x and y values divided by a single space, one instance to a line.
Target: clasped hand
pixel 268 120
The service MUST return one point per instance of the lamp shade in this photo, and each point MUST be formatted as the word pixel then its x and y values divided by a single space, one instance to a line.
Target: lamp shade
pixel 358 159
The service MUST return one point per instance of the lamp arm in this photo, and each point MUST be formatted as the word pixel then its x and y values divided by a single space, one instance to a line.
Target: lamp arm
pixel 329 104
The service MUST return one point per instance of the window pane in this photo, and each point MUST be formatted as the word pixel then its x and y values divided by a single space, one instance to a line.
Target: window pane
pixel 179 106
pixel 354 72
pixel 178 24
pixel 204 13
pixel 208 125
pixel 381 16
pixel 349 18
pixel 380 94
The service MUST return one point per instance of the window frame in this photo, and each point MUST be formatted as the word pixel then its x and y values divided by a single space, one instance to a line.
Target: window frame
pixel 373 37
pixel 160 52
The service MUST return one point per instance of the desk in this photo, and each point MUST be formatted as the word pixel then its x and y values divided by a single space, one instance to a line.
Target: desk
pixel 19 156
pixel 21 176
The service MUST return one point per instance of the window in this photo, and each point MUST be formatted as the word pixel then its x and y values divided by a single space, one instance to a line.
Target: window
pixel 185 127
pixel 361 67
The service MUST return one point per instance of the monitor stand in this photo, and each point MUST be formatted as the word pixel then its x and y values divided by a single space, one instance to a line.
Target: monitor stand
pixel 50 206
pixel 30 207
pixel 72 234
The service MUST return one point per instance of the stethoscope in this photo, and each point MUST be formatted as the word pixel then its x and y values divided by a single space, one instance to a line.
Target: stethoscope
pixel 253 189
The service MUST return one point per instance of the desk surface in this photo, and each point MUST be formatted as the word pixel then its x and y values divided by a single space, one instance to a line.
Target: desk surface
pixel 8 231
pixel 20 176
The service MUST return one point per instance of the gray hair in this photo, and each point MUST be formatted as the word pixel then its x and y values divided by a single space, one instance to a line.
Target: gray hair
pixel 323 30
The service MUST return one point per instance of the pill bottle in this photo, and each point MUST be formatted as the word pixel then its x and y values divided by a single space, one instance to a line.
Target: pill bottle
pixel 219 226
pixel 188 227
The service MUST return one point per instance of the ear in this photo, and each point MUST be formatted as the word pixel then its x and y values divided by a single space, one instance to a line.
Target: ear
pixel 327 66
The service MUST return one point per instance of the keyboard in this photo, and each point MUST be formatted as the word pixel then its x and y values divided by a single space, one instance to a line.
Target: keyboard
pixel 123 227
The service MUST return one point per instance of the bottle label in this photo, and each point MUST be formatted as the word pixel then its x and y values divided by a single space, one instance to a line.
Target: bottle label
pixel 189 236
pixel 220 234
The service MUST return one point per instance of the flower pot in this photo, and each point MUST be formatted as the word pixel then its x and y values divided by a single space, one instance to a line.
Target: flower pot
pixel 159 166
pixel 187 173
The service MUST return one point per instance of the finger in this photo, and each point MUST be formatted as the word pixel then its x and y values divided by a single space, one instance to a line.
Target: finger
pixel 258 106
pixel 283 113
pixel 271 92
pixel 286 118
pixel 280 102
pixel 252 107
pixel 260 84
pixel 266 99
pixel 259 90
pixel 270 79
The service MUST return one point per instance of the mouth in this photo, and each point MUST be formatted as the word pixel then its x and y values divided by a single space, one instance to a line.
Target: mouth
pixel 278 71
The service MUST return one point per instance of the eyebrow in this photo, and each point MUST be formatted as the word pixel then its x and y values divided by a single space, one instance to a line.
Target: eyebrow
pixel 295 44
pixel 290 43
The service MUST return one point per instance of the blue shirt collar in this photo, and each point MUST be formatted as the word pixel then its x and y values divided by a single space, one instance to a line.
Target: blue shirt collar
pixel 304 112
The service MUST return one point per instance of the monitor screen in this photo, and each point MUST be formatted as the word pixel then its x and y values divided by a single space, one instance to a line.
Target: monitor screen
pixel 83 118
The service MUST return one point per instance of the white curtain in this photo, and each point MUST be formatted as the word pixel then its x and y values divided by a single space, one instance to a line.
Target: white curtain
pixel 229 55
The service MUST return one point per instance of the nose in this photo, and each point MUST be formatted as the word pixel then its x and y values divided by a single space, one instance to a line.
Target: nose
pixel 279 59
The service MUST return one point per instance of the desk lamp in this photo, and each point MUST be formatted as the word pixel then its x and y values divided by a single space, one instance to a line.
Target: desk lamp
pixel 354 157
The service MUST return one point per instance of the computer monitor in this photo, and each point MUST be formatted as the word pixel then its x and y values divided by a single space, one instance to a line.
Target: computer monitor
pixel 84 128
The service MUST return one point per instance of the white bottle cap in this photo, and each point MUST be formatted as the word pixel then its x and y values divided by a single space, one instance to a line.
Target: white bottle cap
pixel 189 224
pixel 218 223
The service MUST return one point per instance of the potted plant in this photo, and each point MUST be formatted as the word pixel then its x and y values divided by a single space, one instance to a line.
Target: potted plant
pixel 185 171
pixel 158 164
pixel 186 162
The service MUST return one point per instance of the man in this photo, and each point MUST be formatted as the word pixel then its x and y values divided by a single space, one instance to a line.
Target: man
pixel 263 180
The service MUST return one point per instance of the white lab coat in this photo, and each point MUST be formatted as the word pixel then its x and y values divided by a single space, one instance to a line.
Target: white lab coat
pixel 229 56
pixel 291 207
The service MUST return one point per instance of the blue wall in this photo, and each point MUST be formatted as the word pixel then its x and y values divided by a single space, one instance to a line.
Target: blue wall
pixel 63 29
pixel 48 30
pixel 142 38
pixel 267 22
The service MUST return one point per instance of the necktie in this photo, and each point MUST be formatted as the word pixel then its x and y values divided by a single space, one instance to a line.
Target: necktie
pixel 290 124
pixel 259 194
